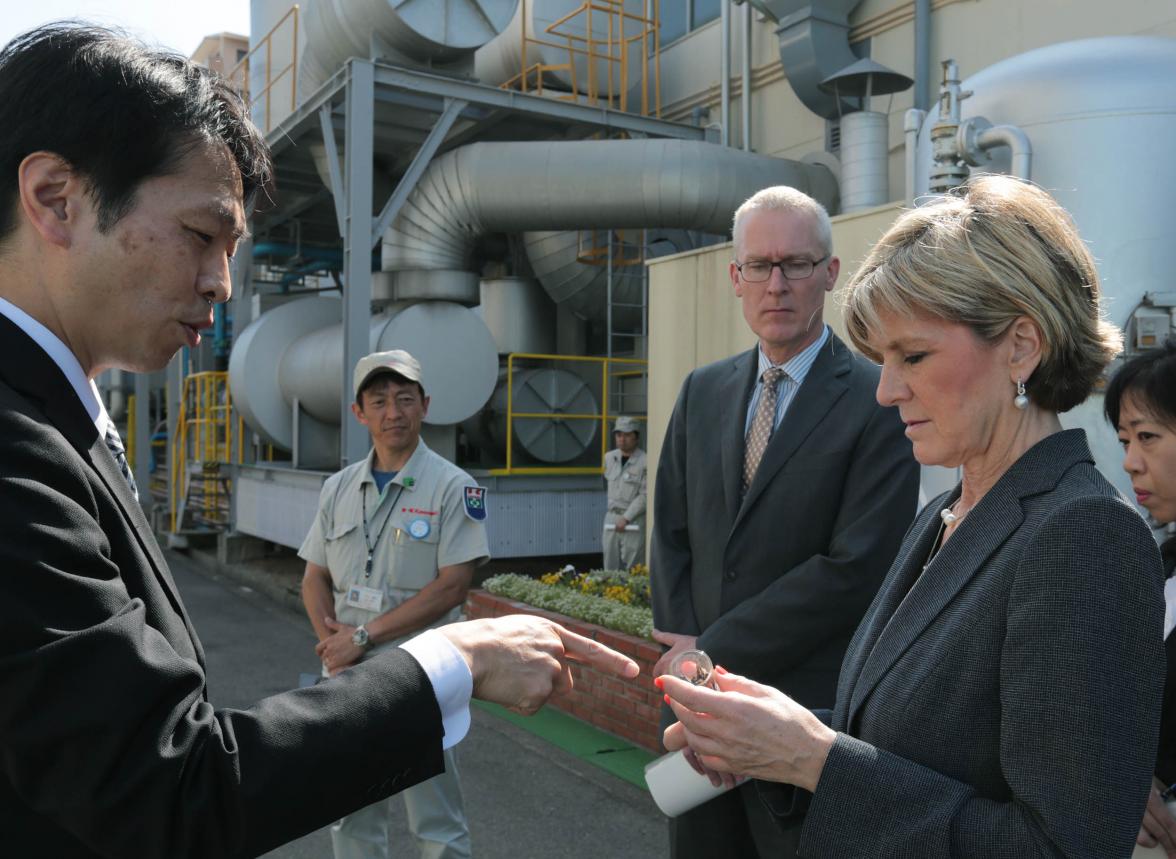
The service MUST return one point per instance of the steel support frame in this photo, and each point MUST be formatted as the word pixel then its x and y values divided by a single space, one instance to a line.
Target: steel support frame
pixel 420 161
pixel 426 84
pixel 358 146
pixel 352 192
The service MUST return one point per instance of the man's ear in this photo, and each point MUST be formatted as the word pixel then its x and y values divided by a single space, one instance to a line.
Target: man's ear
pixel 51 196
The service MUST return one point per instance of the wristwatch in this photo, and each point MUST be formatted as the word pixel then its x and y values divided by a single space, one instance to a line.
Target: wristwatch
pixel 360 638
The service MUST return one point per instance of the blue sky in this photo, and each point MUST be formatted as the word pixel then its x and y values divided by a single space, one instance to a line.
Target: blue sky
pixel 179 26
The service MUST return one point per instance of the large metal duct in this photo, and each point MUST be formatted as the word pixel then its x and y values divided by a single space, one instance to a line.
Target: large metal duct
pixel 502 58
pixel 814 43
pixel 295 352
pixel 594 184
pixel 582 287
pixel 421 31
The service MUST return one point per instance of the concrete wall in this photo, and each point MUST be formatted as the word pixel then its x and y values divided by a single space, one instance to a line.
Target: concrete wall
pixel 695 318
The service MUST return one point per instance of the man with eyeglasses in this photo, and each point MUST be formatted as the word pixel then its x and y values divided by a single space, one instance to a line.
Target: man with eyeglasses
pixel 783 491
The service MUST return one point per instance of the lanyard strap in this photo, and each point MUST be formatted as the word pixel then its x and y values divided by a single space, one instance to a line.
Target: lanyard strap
pixel 368 543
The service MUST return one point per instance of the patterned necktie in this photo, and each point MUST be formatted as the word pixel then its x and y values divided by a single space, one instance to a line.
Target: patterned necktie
pixel 761 423
pixel 115 445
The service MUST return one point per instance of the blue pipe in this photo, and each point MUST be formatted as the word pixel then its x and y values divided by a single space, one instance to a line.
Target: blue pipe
pixel 333 256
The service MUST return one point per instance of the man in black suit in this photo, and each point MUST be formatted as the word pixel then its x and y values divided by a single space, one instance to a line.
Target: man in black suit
pixel 125 177
pixel 783 492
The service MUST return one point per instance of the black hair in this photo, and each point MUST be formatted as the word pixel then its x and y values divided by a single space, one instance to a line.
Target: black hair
pixel 385 375
pixel 118 112
pixel 1150 380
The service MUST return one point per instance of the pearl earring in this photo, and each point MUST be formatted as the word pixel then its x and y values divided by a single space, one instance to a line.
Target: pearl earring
pixel 1021 401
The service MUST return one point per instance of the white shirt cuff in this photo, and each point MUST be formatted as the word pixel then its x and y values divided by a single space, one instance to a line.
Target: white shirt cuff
pixel 452 682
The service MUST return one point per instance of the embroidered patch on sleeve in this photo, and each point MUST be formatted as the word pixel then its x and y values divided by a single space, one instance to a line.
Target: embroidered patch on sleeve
pixel 475 502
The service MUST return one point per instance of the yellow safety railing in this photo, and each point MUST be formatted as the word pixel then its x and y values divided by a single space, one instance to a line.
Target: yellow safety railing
pixel 210 434
pixel 609 247
pixel 623 30
pixel 609 368
pixel 271 78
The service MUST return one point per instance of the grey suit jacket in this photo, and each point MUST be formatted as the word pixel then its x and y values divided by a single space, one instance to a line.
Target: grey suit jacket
pixel 775 583
pixel 109 744
pixel 1005 702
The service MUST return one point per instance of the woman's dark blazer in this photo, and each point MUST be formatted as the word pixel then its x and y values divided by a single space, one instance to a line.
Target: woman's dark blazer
pixel 1005 703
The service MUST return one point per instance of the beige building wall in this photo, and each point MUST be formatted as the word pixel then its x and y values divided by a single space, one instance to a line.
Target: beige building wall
pixel 221 52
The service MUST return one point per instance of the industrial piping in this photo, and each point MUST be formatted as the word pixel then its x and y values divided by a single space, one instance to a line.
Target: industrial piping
pixel 620 184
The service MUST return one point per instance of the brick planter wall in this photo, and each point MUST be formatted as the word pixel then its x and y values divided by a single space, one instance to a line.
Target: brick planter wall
pixel 627 708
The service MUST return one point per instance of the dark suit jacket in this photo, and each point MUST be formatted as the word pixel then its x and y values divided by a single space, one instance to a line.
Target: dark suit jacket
pixel 774 586
pixel 1005 703
pixel 1166 755
pixel 108 745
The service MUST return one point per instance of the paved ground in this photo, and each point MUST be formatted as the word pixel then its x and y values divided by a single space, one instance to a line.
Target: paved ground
pixel 524 797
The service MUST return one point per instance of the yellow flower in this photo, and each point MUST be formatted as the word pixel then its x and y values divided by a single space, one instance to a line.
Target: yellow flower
pixel 639 569
pixel 550 578
pixel 618 593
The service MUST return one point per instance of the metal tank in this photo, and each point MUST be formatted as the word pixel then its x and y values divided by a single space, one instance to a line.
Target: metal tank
pixel 1100 115
pixel 295 352
pixel 432 32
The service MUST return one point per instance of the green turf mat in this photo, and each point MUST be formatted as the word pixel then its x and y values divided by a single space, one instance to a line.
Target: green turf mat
pixel 612 754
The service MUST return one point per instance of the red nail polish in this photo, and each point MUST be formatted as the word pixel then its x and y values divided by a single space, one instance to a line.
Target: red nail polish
pixel 667 697
pixel 657 681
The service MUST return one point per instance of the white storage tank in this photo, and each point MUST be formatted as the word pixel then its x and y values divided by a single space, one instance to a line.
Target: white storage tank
pixel 1101 117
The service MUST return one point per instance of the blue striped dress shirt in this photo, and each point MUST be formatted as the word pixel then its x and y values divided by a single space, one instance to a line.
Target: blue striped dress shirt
pixel 795 369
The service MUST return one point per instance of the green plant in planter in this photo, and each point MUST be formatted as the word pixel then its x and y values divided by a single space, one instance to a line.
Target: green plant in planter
pixel 582 597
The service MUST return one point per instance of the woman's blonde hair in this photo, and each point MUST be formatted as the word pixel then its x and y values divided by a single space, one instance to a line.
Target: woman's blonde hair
pixel 993 250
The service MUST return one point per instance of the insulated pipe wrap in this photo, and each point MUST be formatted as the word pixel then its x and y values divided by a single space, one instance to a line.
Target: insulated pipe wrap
pixel 622 184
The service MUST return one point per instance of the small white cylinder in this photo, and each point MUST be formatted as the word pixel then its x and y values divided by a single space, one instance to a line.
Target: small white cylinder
pixel 519 315
pixel 864 161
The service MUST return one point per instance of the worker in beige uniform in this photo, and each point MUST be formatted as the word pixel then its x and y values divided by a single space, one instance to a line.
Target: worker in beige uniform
pixel 391 552
pixel 624 521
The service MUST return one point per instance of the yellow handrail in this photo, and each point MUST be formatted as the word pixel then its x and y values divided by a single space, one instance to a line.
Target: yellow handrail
pixel 271 79
pixel 205 435
pixel 604 415
pixel 613 50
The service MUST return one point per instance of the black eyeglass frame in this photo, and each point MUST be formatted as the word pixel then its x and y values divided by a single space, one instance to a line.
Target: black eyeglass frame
pixel 780 265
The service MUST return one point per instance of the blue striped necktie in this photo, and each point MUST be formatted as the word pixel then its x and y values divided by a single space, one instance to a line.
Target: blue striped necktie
pixel 115 445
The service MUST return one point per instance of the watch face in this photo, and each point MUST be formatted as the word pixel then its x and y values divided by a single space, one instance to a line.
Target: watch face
pixel 360 637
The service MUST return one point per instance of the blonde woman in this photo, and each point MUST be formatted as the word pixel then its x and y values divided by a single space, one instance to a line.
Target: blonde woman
pixel 1001 695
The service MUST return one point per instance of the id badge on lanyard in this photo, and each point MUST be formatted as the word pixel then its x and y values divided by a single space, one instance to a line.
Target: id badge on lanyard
pixel 367 599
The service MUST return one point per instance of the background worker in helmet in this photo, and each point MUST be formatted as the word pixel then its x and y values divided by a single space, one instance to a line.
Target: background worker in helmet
pixel 624 521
